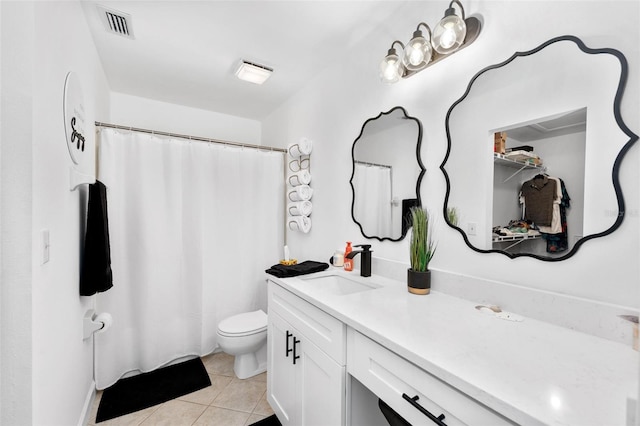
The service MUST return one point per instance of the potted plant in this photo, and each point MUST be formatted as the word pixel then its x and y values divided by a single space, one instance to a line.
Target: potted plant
pixel 453 216
pixel 421 251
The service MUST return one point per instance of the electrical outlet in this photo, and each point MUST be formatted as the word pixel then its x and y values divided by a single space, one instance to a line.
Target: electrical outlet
pixel 471 228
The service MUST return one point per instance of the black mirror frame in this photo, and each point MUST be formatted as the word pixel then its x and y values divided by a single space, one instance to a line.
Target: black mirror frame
pixel 418 182
pixel 616 165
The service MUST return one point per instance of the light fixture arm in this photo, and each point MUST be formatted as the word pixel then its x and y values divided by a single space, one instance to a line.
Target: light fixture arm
pixel 417 32
pixel 452 11
pixel 426 26
pixel 392 51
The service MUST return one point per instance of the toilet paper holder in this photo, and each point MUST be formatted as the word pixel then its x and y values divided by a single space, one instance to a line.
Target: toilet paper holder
pixel 93 323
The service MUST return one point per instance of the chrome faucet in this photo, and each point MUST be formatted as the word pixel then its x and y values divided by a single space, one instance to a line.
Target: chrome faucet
pixel 365 267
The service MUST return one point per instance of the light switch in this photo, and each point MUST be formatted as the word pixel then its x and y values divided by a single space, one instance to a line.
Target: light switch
pixel 45 245
pixel 471 228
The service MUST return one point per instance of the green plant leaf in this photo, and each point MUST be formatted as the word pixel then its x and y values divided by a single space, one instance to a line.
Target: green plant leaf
pixel 421 247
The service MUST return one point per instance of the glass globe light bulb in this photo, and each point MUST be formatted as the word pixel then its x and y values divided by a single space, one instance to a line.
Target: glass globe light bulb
pixel 390 68
pixel 414 53
pixel 448 38
pixel 449 34
pixel 417 54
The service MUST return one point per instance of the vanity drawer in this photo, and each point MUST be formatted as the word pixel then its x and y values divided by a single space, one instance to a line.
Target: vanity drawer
pixel 389 376
pixel 322 329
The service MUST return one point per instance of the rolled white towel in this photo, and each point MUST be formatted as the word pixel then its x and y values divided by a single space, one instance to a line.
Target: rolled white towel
pixel 303 147
pixel 300 223
pixel 300 208
pixel 298 164
pixel 301 193
pixel 303 177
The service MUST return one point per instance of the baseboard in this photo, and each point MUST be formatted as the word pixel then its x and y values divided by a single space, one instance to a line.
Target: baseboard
pixel 88 404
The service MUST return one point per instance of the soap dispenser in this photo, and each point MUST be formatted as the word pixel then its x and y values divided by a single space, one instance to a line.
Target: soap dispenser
pixel 348 263
pixel 338 258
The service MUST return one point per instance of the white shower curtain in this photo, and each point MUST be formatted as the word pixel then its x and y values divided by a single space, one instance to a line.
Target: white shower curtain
pixel 193 226
pixel 372 202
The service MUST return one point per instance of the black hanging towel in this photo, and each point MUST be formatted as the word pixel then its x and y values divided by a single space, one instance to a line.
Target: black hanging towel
pixel 95 274
pixel 407 204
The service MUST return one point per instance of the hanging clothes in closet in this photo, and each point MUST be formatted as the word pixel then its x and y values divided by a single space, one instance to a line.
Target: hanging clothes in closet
pixel 545 201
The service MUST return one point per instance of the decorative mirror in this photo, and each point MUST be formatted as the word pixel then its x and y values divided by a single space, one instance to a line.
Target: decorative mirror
pixel 387 171
pixel 534 150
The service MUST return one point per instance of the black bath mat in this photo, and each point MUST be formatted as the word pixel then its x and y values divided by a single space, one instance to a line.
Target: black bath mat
pixel 155 387
pixel 272 420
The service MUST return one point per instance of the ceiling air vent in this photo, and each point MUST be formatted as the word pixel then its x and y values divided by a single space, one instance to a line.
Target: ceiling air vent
pixel 116 22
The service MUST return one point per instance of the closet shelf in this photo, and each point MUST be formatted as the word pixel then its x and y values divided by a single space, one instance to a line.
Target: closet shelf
pixel 502 238
pixel 516 164
pixel 515 239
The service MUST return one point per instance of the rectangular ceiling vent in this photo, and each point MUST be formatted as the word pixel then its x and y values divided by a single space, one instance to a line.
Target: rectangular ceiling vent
pixel 116 22
pixel 576 119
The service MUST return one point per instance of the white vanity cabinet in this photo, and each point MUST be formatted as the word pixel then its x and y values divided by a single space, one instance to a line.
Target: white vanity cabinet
pixel 353 349
pixel 306 362
pixel 419 397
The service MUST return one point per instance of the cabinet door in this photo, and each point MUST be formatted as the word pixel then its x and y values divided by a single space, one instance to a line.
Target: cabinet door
pixel 281 380
pixel 326 332
pixel 321 385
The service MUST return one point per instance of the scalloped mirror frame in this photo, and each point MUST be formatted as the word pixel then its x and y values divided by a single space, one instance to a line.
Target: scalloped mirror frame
pixel 418 159
pixel 616 165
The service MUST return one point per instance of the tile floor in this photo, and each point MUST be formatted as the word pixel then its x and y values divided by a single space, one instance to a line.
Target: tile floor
pixel 229 401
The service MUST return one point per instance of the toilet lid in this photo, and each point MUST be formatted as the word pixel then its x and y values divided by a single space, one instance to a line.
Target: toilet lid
pixel 246 323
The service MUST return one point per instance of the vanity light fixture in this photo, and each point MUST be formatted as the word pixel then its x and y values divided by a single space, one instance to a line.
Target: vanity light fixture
pixel 454 32
pixel 253 73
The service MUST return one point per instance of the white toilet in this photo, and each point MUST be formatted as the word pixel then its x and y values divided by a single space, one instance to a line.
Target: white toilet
pixel 245 337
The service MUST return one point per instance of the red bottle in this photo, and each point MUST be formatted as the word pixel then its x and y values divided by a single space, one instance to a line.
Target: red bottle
pixel 348 263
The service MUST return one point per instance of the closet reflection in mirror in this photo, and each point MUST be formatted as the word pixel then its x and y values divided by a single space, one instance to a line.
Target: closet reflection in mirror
pixel 538 185
pixel 386 176
pixel 559 102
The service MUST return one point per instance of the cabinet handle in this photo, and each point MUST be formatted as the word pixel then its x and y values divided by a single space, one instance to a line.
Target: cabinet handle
pixel 437 420
pixel 295 342
pixel 288 349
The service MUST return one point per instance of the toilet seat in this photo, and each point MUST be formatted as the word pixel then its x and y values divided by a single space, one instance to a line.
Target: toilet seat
pixel 244 324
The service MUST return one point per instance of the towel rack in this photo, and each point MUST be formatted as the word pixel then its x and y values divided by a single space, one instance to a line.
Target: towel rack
pixel 76 178
pixel 299 160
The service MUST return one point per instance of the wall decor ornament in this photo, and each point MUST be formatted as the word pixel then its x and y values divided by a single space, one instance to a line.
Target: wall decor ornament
pixel 79 143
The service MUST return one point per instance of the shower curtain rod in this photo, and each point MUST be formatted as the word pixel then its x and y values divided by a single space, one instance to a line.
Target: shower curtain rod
pixel 193 138
pixel 365 163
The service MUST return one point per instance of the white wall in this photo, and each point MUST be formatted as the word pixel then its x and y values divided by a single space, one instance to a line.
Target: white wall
pixel 58 370
pixel 332 108
pixel 16 87
pixel 133 111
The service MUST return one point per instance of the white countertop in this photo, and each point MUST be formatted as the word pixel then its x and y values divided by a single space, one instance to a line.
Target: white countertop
pixel 530 371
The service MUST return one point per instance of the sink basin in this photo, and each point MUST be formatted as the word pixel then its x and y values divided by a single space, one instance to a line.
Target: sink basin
pixel 338 285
